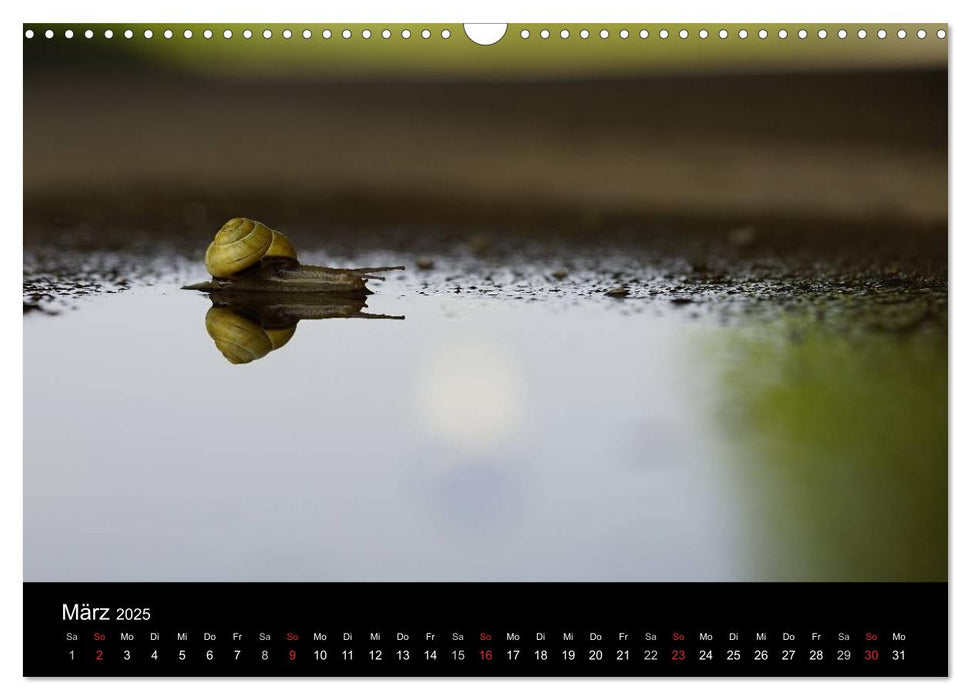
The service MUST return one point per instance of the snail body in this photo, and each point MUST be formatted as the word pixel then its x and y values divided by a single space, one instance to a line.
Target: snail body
pixel 249 256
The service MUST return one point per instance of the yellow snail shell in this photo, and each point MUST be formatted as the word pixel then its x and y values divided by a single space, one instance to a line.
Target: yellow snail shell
pixel 242 340
pixel 241 243
pixel 280 336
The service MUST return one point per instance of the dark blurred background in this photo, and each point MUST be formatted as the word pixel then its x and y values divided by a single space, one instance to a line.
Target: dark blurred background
pixel 186 132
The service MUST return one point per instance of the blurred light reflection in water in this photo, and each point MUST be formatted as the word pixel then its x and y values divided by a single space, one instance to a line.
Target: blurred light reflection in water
pixel 477 440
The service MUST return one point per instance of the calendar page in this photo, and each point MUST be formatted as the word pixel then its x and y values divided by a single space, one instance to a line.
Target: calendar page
pixel 485 350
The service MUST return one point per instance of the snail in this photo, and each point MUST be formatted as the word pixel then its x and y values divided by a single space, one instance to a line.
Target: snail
pixel 249 256
pixel 248 326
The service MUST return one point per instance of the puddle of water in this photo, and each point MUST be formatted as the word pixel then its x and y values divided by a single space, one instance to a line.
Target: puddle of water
pixel 482 437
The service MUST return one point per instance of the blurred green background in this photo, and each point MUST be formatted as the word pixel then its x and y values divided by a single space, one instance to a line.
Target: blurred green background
pixel 448 53
pixel 840 449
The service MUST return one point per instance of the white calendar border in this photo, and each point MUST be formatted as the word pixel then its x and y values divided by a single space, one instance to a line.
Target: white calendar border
pixel 11 482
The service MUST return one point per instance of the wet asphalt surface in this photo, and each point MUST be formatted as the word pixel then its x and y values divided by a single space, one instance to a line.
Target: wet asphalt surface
pixel 742 272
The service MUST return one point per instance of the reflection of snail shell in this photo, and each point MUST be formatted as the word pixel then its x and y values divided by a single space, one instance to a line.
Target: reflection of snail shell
pixel 242 340
pixel 241 243
pixel 280 336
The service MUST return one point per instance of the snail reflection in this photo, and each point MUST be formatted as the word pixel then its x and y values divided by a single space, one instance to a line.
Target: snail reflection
pixel 260 291
pixel 247 327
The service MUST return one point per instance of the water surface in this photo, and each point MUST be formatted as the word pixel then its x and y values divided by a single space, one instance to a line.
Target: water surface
pixel 736 423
